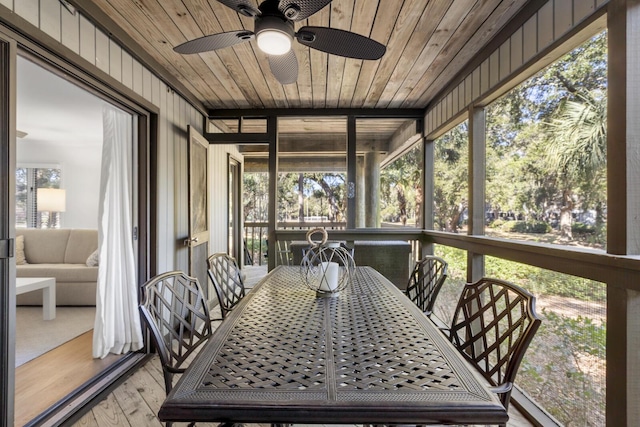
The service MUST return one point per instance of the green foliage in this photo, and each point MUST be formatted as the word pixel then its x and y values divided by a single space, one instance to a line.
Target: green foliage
pixel 546 140
pixel 526 226
pixel 401 188
pixel 581 334
pixel 564 367
pixel 545 282
pixel 498 223
pixel 451 177
pixel 582 228
pixel 255 196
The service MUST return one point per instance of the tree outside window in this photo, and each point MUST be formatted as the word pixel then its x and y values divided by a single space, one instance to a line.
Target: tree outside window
pixel 28 181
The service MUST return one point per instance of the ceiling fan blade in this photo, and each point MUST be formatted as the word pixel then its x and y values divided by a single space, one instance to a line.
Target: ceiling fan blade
pixel 284 67
pixel 340 42
pixel 297 10
pixel 243 7
pixel 214 41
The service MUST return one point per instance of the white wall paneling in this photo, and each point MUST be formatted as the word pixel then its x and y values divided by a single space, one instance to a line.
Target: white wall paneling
pixel 115 61
pixel 545 25
pixel 102 51
pixel 87 40
pixel 583 8
pixel 516 52
pixel 505 60
pixel 127 73
pixel 70 22
pixel 51 20
pixel 29 10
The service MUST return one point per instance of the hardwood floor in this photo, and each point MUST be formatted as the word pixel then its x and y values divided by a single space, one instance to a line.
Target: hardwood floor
pixel 43 381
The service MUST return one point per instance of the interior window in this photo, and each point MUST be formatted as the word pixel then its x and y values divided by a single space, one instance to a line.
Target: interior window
pixel 39 198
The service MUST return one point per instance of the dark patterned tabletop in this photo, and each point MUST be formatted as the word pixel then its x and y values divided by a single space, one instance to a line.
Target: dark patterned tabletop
pixel 366 356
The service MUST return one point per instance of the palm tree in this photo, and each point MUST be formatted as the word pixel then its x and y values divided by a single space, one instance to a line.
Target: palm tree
pixel 577 152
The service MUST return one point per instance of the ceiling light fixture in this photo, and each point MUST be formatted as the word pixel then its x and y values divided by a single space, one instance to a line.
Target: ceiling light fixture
pixel 274 42
pixel 274 35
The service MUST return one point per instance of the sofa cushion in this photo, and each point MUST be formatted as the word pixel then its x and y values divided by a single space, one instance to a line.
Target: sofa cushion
pixel 94 259
pixel 45 246
pixel 62 272
pixel 20 258
pixel 81 244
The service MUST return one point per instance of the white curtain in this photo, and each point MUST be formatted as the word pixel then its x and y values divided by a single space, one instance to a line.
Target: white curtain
pixel 117 326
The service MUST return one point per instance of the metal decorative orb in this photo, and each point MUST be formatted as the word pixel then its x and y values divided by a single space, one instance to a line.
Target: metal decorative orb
pixel 326 267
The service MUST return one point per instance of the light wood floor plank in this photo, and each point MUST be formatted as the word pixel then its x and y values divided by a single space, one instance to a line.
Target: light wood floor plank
pixel 134 406
pixel 108 413
pixel 87 420
pixel 148 387
pixel 155 370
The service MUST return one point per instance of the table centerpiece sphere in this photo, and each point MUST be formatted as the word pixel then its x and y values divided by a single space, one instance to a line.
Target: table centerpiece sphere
pixel 327 266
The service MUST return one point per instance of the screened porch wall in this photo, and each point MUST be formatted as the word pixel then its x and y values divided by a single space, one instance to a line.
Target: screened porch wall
pixel 527 46
pixel 554 29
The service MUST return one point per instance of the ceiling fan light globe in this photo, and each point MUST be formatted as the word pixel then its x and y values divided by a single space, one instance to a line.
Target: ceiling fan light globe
pixel 274 42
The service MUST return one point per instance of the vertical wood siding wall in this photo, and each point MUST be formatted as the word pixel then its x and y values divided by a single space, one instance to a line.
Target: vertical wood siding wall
pixel 552 21
pixel 91 44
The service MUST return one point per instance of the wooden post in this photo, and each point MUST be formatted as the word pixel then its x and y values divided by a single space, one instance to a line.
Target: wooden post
pixel 428 189
pixel 352 191
pixel 372 179
pixel 623 205
pixel 360 193
pixel 477 178
pixel 272 130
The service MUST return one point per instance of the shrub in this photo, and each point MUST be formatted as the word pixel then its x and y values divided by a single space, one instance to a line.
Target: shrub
pixel 498 223
pixel 582 228
pixel 538 227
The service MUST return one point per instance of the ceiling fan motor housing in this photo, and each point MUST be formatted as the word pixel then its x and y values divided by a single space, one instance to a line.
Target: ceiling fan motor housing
pixel 274 23
pixel 274 34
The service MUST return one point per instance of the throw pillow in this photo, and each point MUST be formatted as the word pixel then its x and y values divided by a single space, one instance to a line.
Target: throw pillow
pixel 20 258
pixel 92 261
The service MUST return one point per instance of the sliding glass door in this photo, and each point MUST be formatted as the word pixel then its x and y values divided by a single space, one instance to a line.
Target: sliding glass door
pixel 7 203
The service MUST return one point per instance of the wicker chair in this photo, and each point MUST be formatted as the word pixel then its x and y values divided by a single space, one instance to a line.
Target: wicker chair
pixel 174 309
pixel 425 282
pixel 492 327
pixel 227 281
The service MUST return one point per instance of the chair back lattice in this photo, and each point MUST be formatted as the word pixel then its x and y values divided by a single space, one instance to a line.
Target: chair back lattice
pixel 227 281
pixel 174 309
pixel 425 282
pixel 492 327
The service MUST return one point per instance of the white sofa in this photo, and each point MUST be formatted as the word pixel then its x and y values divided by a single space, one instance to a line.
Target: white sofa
pixel 63 254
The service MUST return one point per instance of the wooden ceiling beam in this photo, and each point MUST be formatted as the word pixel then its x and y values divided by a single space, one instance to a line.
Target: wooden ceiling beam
pixel 409 113
pixel 403 139
pixel 297 164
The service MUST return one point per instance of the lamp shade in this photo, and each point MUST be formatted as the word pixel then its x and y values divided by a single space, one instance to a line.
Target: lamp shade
pixel 52 199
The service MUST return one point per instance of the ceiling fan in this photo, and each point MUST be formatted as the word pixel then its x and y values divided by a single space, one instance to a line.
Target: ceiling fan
pixel 274 33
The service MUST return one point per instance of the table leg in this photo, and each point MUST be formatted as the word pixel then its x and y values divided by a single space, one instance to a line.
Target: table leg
pixel 49 302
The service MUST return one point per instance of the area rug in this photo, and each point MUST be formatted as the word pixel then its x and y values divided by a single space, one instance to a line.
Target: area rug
pixel 35 336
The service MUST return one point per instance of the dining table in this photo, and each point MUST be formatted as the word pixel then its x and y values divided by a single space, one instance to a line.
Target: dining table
pixel 364 355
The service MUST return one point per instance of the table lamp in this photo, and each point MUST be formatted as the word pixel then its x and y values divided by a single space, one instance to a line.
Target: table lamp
pixel 51 200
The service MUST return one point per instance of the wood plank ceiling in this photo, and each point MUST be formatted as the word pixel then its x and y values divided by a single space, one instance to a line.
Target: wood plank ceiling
pixel 428 43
